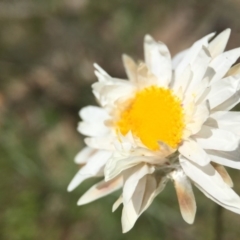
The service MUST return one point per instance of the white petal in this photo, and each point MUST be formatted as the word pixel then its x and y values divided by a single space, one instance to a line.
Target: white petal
pixel 78 179
pixel 218 44
pixel 158 59
pixel 152 188
pixel 96 89
pixel 233 195
pixel 100 190
pixel 83 155
pixel 229 121
pixel 202 90
pixel 143 196
pixel 192 53
pixel 198 66
pixel 105 143
pixel 102 78
pixel 131 178
pixel 223 90
pixel 96 162
pixel 110 94
pixel 119 163
pixel 208 180
pixel 223 62
pixel 229 103
pixel 199 117
pixel 122 146
pixel 191 150
pixel 130 67
pixel 93 114
pixel 145 188
pixel 192 80
pixel 93 129
pixel 217 139
pixel 101 74
pixel 110 91
pixel 178 58
pixel 223 173
pixel 93 168
pixel 229 158
pixel 129 217
pixel 182 81
pixel 185 195
pixel 117 204
pixel 145 78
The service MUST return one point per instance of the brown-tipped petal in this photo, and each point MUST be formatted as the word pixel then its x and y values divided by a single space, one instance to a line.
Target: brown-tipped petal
pixel 99 190
pixel 223 173
pixel 185 196
pixel 117 204
pixel 130 67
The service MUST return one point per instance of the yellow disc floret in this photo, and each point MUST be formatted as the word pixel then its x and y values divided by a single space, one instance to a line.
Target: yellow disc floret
pixel 155 114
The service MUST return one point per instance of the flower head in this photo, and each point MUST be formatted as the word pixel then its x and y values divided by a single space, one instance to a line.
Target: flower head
pixel 170 121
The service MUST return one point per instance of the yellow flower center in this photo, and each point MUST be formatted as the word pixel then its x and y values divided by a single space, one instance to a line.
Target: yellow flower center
pixel 155 114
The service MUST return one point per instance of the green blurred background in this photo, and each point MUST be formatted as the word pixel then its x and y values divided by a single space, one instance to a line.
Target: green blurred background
pixel 47 49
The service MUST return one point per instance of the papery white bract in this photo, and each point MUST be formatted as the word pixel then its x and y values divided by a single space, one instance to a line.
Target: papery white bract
pixel 170 121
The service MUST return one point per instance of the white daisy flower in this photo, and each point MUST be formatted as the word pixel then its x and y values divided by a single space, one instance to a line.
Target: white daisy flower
pixel 170 121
